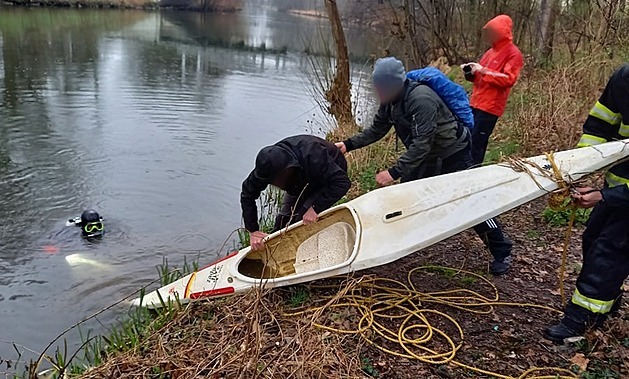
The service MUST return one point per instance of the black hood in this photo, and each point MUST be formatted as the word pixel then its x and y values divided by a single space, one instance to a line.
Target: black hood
pixel 272 160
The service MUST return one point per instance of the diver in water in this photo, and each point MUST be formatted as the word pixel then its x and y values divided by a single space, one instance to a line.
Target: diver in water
pixel 91 224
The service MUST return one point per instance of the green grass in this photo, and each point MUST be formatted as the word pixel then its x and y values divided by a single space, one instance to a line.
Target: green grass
pixel 600 370
pixel 532 234
pixel 270 203
pixel 445 271
pixel 467 280
pixel 168 275
pixel 368 368
pixel 497 150
pixel 299 296
pixel 367 179
pixel 562 218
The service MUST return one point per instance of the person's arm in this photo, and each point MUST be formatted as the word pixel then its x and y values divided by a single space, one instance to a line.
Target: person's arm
pixel 505 78
pixel 423 109
pixel 609 111
pixel 251 190
pixel 378 129
pixel 616 196
pixel 322 169
pixel 337 184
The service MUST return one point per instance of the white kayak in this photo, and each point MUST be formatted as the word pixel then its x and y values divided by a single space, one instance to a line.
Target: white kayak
pixel 385 225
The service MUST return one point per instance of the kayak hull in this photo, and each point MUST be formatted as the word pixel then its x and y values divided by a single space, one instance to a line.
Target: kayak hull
pixel 386 224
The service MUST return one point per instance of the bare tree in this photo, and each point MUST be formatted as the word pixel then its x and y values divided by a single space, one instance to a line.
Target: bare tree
pixel 549 10
pixel 339 93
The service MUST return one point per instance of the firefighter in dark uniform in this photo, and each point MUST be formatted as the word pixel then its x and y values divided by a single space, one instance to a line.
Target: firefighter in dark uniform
pixel 606 238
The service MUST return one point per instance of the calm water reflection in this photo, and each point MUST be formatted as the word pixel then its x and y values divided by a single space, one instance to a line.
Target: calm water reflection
pixel 153 119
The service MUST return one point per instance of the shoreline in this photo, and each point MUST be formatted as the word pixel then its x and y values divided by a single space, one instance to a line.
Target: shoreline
pixel 194 6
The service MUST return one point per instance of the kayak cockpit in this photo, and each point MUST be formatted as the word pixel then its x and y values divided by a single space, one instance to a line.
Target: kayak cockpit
pixel 302 249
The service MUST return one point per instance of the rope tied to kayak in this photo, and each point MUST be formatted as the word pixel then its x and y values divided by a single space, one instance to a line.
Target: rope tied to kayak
pixel 399 319
pixel 559 200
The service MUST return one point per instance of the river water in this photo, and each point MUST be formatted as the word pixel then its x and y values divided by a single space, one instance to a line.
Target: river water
pixel 151 118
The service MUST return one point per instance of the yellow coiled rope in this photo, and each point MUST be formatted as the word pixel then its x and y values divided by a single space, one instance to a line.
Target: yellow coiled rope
pixel 396 318
pixel 379 302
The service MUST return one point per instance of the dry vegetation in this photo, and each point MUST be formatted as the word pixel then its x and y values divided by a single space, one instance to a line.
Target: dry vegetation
pixel 240 337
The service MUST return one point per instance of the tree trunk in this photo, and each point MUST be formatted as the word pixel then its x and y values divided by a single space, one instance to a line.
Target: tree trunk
pixel 339 94
pixel 411 35
pixel 549 10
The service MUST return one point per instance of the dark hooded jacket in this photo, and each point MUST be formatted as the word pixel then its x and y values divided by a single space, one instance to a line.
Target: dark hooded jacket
pixel 423 122
pixel 306 162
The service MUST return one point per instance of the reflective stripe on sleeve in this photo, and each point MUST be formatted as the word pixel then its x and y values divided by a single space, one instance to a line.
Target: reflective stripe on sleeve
pixel 614 180
pixel 590 140
pixel 603 113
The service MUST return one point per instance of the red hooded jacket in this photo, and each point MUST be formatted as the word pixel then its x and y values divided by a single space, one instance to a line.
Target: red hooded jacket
pixel 502 64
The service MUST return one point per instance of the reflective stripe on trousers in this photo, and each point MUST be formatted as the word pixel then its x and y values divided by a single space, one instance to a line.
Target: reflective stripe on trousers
pixel 592 305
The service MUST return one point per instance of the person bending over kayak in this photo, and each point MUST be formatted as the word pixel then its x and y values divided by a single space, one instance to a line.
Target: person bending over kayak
pixel 312 172
pixel 436 143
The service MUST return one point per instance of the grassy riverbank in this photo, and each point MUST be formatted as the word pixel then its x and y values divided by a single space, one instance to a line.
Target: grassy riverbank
pixel 266 334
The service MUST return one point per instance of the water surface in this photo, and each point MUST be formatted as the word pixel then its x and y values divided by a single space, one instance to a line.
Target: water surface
pixel 154 120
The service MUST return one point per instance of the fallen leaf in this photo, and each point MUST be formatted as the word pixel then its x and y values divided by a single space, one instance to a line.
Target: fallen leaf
pixel 581 361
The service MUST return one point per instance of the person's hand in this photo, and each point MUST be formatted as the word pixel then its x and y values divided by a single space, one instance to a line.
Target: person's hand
pixel 475 67
pixel 310 217
pixel 342 147
pixel 587 197
pixel 256 239
pixel 383 178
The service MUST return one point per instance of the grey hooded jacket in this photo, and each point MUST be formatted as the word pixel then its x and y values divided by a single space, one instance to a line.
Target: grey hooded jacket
pixel 423 122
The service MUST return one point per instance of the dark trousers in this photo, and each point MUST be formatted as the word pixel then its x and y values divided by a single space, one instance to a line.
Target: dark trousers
pixel 605 263
pixel 484 124
pixel 489 231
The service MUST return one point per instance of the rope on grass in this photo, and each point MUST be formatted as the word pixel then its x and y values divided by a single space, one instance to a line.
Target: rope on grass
pixel 415 336
pixel 397 318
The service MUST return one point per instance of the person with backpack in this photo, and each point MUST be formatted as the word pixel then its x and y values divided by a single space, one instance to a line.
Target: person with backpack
pixel 493 77
pixel 437 143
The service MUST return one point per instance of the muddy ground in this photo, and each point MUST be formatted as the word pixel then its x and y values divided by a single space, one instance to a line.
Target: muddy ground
pixel 254 336
pixel 509 341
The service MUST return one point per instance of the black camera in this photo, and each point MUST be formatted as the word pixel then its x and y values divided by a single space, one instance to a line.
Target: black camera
pixel 467 69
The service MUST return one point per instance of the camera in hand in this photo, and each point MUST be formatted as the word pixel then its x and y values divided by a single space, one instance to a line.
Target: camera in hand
pixel 467 69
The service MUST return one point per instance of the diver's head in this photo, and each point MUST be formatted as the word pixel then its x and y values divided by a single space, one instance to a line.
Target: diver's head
pixel 91 224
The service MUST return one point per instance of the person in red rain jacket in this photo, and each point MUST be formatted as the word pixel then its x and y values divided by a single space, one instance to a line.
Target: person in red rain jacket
pixel 493 77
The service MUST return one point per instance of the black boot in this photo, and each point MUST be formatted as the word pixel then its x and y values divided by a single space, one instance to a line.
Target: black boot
pixel 501 266
pixel 557 333
pixel 615 311
pixel 565 329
